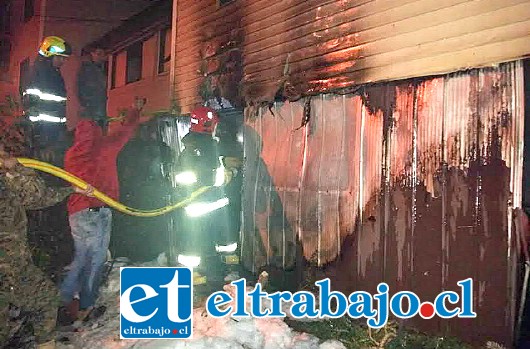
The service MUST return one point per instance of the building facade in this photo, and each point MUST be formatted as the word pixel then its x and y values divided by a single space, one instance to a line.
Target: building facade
pixel 384 139
pixel 139 59
pixel 24 23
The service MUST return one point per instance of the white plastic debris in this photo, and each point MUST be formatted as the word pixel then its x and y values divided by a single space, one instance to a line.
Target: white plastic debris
pixel 332 344
pixel 263 279
pixel 232 276
pixel 162 259
pixel 494 345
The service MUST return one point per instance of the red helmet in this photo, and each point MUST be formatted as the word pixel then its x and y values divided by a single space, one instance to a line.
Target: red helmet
pixel 204 120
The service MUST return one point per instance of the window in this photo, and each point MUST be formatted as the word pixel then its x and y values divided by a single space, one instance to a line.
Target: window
pixel 29 9
pixel 113 63
pixel 24 75
pixel 134 62
pixel 5 14
pixel 5 54
pixel 164 50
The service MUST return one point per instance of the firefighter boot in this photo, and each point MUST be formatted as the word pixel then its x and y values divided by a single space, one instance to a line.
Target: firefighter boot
pixel 231 261
pixel 229 253
pixel 193 261
pixel 198 278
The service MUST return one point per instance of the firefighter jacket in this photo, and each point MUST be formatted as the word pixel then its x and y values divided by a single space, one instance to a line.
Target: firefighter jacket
pixel 201 156
pixel 46 92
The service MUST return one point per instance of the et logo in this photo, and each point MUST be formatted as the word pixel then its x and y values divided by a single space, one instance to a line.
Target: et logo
pixel 156 303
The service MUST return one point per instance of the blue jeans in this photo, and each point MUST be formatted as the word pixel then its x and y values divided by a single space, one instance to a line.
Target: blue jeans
pixel 91 234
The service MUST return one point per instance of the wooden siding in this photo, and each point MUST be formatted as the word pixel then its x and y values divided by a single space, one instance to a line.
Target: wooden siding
pixel 334 44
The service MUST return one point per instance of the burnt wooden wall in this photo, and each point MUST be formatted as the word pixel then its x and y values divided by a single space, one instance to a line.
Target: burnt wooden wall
pixel 329 44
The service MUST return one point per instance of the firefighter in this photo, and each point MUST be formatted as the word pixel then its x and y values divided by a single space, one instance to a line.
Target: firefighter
pixel 231 150
pixel 45 96
pixel 204 225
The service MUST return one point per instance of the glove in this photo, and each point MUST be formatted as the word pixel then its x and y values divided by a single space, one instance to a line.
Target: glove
pixel 230 173
pixel 228 176
pixel 8 162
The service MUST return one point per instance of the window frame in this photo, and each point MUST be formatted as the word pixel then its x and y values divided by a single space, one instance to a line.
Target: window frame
pixel 113 72
pixel 29 10
pixel 222 3
pixel 5 23
pixel 140 46
pixel 162 44
pixel 5 56
pixel 24 76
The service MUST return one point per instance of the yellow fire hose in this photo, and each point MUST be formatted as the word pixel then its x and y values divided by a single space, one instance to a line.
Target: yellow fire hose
pixel 78 182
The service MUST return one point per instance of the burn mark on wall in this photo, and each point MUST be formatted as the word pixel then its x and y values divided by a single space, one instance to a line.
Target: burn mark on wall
pixel 379 98
pixel 222 66
pixel 428 189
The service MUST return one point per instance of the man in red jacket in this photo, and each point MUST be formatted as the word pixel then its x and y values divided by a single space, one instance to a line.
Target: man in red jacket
pixel 92 158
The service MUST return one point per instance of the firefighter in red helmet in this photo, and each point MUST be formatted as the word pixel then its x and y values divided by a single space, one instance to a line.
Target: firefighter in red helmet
pixel 203 226
pixel 204 120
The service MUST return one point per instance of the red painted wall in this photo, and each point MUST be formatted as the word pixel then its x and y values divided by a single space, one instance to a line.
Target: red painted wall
pixel 77 21
pixel 153 86
pixel 24 38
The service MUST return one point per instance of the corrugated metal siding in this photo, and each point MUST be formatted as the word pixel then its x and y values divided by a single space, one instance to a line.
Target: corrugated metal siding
pixel 411 183
pixel 334 44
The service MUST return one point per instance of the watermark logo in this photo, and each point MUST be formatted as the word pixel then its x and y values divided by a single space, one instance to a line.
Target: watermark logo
pixel 376 308
pixel 156 303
